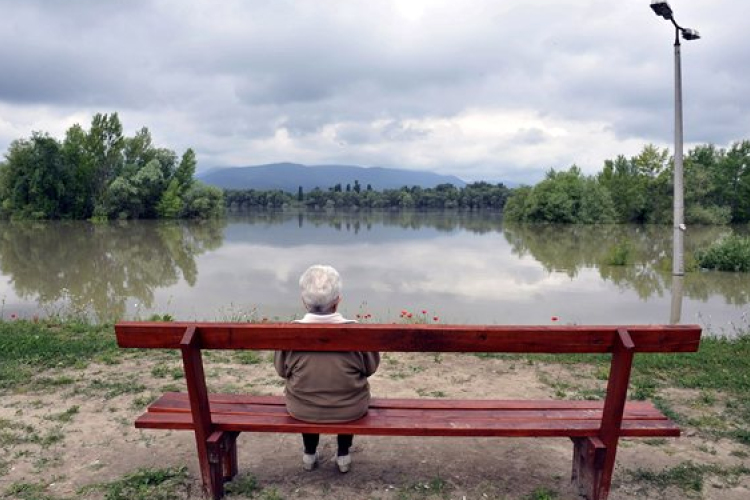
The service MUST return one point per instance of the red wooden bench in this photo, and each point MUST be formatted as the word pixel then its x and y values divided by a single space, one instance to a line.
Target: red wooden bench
pixel 594 426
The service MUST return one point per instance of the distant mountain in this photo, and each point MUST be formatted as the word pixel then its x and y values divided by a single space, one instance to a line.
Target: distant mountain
pixel 289 176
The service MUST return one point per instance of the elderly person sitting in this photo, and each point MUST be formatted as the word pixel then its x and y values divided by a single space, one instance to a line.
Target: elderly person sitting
pixel 325 387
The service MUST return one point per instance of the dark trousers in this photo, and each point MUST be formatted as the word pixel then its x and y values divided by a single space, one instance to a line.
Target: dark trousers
pixel 311 443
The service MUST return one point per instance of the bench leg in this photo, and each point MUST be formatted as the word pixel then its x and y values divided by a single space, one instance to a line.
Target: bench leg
pixel 589 457
pixel 216 445
pixel 230 455
pixel 222 459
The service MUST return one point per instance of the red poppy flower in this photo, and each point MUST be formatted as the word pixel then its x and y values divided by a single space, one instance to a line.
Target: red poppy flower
pixel 435 318
pixel 555 318
pixel 424 312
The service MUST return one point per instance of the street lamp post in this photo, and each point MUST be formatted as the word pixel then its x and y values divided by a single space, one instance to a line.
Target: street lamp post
pixel 662 8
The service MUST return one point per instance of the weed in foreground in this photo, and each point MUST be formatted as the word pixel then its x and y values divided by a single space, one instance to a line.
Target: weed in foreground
pixel 145 484
pixel 436 486
pixel 29 491
pixel 248 357
pixel 64 417
pixel 541 494
pixel 688 476
pixel 245 485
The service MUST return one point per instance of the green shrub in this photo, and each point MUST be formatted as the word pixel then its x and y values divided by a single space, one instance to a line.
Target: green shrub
pixel 711 215
pixel 619 255
pixel 729 254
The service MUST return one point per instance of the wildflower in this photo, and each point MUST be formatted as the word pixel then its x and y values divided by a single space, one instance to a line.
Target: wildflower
pixel 435 318
pixel 555 318
pixel 424 312
pixel 408 315
pixel 13 316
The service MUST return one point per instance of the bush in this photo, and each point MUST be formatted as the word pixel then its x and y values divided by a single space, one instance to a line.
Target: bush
pixel 729 254
pixel 619 255
pixel 712 215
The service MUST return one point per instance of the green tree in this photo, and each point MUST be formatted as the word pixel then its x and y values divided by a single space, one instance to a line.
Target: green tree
pixel 564 197
pixel 203 202
pixel 80 164
pixel 186 170
pixel 105 145
pixel 170 203
pixel 33 178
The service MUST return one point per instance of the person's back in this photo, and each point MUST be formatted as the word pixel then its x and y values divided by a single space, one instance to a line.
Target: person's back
pixel 325 387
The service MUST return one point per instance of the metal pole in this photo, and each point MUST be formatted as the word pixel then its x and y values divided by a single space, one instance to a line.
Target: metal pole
pixel 678 261
pixel 675 311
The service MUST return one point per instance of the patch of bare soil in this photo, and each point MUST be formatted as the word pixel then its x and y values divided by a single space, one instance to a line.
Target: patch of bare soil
pixel 75 428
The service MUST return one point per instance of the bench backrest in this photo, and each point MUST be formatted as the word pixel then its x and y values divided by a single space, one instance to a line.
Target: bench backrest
pixel 411 337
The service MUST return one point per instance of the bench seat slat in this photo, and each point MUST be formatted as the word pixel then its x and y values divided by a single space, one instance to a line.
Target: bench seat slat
pixel 370 425
pixel 182 405
pixel 395 403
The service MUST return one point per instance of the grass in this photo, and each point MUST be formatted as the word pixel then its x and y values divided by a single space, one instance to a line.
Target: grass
pixel 435 487
pixel 29 491
pixel 541 494
pixel 145 484
pixel 688 476
pixel 248 357
pixel 28 347
pixel 64 417
pixel 165 371
pixel 243 485
pixel 14 433
pixel 112 388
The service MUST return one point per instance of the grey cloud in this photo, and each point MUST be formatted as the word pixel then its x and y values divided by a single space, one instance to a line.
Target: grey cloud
pixel 238 70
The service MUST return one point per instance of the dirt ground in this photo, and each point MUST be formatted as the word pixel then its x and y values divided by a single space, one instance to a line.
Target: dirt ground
pixel 75 428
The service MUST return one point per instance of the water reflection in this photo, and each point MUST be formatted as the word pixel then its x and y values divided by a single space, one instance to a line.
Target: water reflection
pixel 95 268
pixel 462 267
pixel 569 249
pixel 478 222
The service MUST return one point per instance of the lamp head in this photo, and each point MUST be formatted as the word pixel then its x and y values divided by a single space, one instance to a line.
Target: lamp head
pixel 662 8
pixel 690 34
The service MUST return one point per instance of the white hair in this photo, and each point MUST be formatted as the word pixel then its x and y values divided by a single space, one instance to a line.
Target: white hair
pixel 321 288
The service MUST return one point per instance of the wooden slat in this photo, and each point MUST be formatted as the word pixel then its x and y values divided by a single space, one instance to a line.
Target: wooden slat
pixel 369 425
pixel 411 338
pixel 426 403
pixel 183 406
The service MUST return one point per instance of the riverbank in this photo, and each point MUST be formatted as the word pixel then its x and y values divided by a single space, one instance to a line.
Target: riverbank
pixel 69 398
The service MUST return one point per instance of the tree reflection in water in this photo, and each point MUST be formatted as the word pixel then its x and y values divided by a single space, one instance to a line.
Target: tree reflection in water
pixel 103 269
pixel 570 248
pixel 96 268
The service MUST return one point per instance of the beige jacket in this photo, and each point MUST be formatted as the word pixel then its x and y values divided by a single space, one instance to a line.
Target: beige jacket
pixel 326 387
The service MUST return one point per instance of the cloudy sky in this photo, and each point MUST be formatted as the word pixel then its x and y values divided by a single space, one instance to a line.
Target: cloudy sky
pixel 482 89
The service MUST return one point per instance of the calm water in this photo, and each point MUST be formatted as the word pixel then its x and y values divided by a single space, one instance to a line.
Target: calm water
pixel 461 268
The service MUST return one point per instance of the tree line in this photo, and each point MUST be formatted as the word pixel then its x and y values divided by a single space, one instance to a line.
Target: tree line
pixel 479 195
pixel 101 174
pixel 640 190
